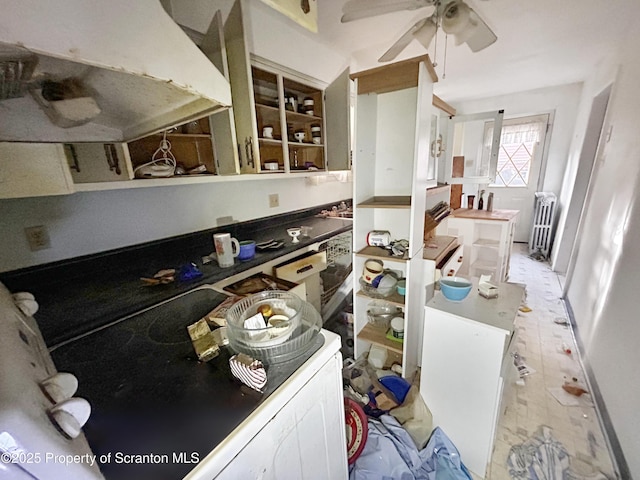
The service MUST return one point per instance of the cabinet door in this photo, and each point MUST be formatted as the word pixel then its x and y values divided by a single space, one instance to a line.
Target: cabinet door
pixel 98 162
pixel 305 440
pixel 33 169
pixel 242 90
pixel 222 123
pixel 337 124
pixel 465 137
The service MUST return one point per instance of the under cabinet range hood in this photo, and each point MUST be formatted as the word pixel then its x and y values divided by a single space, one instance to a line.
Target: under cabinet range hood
pixel 99 71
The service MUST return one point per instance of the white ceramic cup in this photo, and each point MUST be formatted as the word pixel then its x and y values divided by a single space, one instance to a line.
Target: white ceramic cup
pixel 227 248
pixel 267 132
pixel 299 136
pixel 372 268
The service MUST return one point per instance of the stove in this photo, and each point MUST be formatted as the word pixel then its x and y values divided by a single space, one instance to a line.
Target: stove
pixel 156 411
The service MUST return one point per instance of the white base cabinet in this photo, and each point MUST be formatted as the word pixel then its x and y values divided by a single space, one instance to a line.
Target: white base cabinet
pixel 298 432
pixel 487 238
pixel 466 362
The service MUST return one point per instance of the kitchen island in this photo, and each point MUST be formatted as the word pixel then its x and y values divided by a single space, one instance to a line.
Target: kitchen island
pixel 487 238
pixel 466 364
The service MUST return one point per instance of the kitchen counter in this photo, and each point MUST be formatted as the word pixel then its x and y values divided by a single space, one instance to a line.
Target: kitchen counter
pixel 199 404
pixel 497 313
pixel 78 295
pixel 500 215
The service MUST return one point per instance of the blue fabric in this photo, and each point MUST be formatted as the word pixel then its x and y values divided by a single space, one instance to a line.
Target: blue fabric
pixel 391 454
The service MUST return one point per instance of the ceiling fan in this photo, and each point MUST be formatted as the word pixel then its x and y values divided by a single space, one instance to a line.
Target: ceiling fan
pixel 455 17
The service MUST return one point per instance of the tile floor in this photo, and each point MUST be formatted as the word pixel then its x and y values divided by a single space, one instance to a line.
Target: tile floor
pixel 531 405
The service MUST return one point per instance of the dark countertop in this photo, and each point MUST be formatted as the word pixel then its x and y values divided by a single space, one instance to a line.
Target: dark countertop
pixel 78 295
pixel 143 369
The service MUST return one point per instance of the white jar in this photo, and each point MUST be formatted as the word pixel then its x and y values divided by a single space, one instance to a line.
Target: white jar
pixel 397 327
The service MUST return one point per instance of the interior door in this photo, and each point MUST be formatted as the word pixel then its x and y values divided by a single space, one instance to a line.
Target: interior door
pixel 518 172
pixel 222 123
pixel 242 90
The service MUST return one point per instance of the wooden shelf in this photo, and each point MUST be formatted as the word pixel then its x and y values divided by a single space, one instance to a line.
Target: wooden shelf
pixel 395 298
pixel 393 77
pixel 498 215
pixel 487 242
pixel 261 106
pixel 484 265
pixel 175 136
pixel 270 141
pixel 379 252
pixel 305 144
pixel 437 247
pixel 438 190
pixel 400 201
pixel 302 117
pixel 378 336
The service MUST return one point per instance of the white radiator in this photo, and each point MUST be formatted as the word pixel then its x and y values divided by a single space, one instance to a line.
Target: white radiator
pixel 540 241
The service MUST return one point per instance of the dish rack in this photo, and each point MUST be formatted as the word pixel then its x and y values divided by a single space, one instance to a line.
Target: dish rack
pixel 338 250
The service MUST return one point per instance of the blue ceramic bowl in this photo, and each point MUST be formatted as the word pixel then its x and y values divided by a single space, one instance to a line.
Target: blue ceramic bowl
pixel 455 288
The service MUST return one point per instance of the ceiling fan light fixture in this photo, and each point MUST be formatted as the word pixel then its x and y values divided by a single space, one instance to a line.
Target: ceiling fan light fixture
pixel 456 18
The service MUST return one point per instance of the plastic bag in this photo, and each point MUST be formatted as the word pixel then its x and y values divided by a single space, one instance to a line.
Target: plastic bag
pixel 415 417
pixel 443 462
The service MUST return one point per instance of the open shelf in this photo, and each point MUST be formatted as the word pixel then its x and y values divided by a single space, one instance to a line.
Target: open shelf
pixel 395 298
pixel 378 336
pixel 484 265
pixel 379 252
pixel 487 242
pixel 400 201
pixel 440 189
pixel 436 248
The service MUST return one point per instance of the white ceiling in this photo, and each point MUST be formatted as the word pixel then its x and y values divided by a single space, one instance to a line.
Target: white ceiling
pixel 540 43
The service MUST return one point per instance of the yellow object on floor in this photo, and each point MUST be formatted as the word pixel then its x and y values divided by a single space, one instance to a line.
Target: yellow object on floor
pixel 524 309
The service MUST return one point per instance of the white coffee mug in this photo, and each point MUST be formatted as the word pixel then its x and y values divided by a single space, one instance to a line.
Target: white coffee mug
pixel 267 132
pixel 227 248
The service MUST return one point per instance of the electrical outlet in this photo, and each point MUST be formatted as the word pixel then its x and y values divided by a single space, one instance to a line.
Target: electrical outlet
pixel 38 237
pixel 274 200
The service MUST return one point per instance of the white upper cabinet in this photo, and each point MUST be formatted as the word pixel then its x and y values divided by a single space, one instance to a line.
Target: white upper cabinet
pixel 33 169
pixel 286 122
pixel 464 136
pixel 115 70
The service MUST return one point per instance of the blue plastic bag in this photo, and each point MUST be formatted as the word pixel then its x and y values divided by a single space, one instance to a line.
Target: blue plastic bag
pixel 390 453
pixel 443 459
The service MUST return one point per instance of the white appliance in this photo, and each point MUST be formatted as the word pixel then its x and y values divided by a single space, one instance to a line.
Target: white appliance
pixel 139 71
pixel 40 420
pixel 295 432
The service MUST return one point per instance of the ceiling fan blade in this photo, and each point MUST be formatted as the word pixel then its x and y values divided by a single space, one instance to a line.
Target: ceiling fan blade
pixel 426 32
pixel 481 35
pixel 357 9
pixel 402 42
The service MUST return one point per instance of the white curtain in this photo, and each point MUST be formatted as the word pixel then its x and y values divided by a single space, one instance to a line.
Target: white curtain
pixel 518 130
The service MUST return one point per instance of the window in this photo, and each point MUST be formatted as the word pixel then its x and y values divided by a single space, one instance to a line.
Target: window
pixel 518 143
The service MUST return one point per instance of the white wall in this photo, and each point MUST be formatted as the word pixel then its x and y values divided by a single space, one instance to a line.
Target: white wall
pixel 563 100
pixel 86 223
pixel 91 222
pixel 271 35
pixel 603 287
